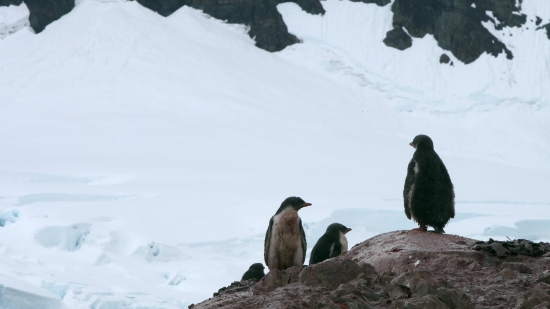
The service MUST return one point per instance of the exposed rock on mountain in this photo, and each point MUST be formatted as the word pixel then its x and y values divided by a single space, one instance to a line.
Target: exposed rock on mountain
pixel 377 2
pixel 266 24
pixel 457 25
pixel 398 38
pixel 547 27
pixel 44 12
pixel 406 269
pixel 445 59
pixel 10 2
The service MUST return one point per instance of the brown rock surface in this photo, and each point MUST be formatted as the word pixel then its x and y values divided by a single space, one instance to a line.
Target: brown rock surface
pixel 405 269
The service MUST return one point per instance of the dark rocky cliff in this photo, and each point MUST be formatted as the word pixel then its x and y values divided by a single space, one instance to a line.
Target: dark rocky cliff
pixel 455 24
pixel 406 269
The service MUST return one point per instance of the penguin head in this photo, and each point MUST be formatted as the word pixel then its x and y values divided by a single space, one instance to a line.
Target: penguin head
pixel 422 142
pixel 257 266
pixel 337 228
pixel 294 202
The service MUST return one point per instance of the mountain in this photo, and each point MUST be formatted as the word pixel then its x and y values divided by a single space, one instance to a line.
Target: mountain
pixel 142 155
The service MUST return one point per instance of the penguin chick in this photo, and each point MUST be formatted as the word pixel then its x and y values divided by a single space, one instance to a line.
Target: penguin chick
pixel 256 271
pixel 285 241
pixel 331 244
pixel 428 192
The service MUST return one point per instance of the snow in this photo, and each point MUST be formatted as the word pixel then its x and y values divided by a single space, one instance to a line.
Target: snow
pixel 142 156
pixel 13 18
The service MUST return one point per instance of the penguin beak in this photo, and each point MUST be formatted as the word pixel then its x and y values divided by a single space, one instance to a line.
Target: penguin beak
pixel 306 204
pixel 412 145
pixel 347 230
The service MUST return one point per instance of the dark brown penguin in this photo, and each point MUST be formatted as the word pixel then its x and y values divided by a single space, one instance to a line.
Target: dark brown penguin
pixel 285 241
pixel 428 193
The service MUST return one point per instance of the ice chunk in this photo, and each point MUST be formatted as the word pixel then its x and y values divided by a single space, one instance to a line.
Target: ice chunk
pixel 16 293
pixel 68 238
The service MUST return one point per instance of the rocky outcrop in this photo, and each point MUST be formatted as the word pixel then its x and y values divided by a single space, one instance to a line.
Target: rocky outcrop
pixel 406 269
pixel 445 59
pixel 457 24
pixel 266 24
pixel 547 27
pixel 377 2
pixel 10 2
pixel 398 38
pixel 44 12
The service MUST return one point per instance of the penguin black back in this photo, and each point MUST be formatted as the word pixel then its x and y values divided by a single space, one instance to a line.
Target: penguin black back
pixel 331 244
pixel 428 192
pixel 256 271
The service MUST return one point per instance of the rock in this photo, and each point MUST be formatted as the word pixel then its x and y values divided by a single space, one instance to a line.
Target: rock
pixel 377 2
pixel 536 296
pixel 454 299
pixel 44 12
pixel 519 267
pixel 236 286
pixel 456 25
pixel 425 302
pixel 276 279
pixel 499 249
pixel 10 2
pixel 513 247
pixel 489 262
pixel 398 38
pixel 444 59
pixel 165 7
pixel 266 24
pixel 330 273
pixel 544 305
pixel 547 27
pixel 404 269
pixel 506 12
pixel 310 6
pixel 420 283
pixel 508 274
pixel 396 291
pixel 539 21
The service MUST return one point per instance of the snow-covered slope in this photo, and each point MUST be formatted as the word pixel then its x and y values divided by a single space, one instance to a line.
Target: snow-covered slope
pixel 143 156
pixel 12 19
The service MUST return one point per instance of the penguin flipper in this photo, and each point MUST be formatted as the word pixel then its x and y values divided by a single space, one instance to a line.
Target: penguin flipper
pixel 409 182
pixel 268 241
pixel 337 249
pixel 304 243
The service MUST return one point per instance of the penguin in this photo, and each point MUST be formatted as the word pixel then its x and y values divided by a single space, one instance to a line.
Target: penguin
pixel 285 241
pixel 331 244
pixel 256 271
pixel 428 193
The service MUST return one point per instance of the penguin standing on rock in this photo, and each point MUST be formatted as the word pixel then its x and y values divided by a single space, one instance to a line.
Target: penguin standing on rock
pixel 331 244
pixel 285 241
pixel 429 194
pixel 256 271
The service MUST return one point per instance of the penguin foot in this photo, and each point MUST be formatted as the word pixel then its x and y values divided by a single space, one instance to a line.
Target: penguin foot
pixel 422 228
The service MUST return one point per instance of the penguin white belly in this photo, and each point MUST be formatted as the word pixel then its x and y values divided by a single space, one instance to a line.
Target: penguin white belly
pixel 285 249
pixel 344 242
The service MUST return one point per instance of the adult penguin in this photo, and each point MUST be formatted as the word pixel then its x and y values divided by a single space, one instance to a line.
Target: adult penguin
pixel 428 193
pixel 256 271
pixel 331 244
pixel 285 241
